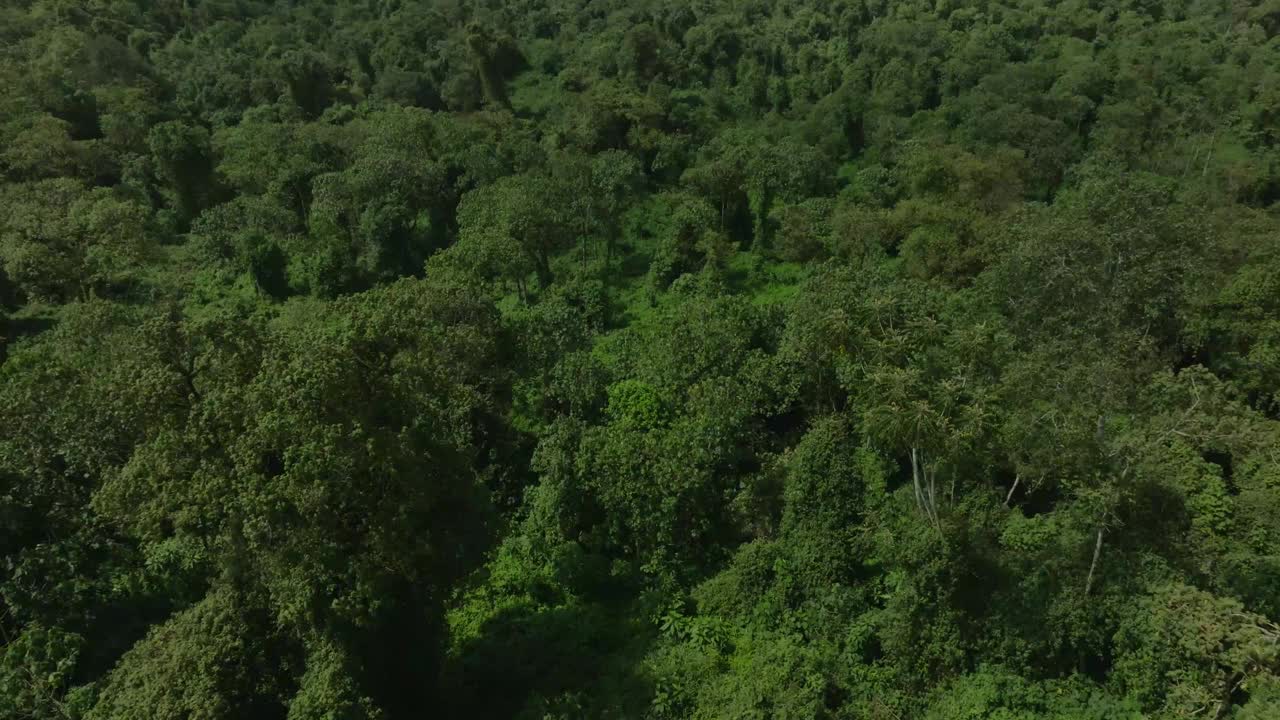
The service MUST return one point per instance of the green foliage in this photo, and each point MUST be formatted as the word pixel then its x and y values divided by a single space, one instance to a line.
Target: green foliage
pixel 548 359
pixel 35 671
pixel 327 692
pixel 208 661
pixel 61 241
pixel 1188 650
pixel 998 693
pixel 635 404
pixel 182 160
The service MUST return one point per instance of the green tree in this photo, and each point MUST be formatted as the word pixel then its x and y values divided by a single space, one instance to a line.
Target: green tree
pixel 184 163
pixel 61 241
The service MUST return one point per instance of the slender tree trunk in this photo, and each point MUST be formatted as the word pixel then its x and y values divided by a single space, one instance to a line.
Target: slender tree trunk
pixel 924 482
pixel 1016 479
pixel 1093 566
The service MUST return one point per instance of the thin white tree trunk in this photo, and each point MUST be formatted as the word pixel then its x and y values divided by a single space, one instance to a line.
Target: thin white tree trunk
pixel 1016 479
pixel 924 482
pixel 1097 551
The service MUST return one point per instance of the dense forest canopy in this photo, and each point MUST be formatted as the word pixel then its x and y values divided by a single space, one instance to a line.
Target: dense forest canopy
pixel 653 359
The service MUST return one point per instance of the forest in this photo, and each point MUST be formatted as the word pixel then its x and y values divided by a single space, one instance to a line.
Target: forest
pixel 639 359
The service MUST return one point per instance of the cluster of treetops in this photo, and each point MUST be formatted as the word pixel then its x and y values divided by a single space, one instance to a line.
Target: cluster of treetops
pixel 639 359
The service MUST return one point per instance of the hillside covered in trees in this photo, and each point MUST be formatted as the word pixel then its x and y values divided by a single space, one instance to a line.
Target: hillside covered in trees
pixel 639 359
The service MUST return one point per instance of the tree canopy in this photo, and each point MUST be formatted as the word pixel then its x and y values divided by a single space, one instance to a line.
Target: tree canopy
pixel 549 359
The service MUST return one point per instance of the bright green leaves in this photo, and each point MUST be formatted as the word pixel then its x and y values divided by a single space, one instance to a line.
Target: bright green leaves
pixel 1000 693
pixel 633 404
pixel 1029 535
